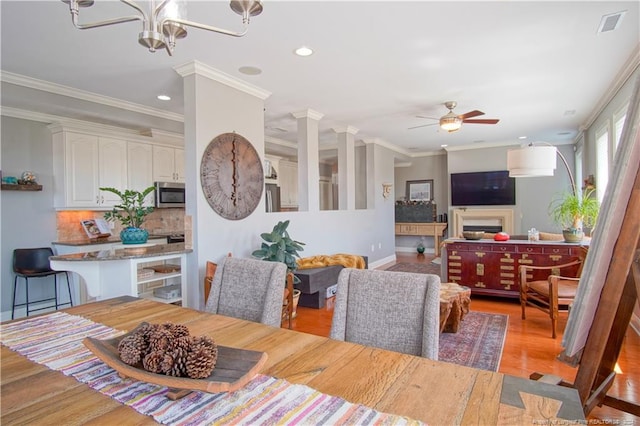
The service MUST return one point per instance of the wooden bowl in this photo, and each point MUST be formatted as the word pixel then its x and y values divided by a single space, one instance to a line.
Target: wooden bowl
pixel 472 235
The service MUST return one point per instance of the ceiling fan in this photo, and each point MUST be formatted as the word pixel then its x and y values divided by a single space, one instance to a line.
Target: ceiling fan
pixel 452 122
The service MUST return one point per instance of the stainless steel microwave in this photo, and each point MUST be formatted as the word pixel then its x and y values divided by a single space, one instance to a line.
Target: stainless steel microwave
pixel 170 194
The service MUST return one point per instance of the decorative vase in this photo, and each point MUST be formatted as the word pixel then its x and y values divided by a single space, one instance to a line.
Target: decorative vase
pixel 133 235
pixel 420 250
pixel 572 235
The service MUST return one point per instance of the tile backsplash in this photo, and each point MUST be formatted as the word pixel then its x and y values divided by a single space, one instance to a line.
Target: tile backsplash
pixel 160 221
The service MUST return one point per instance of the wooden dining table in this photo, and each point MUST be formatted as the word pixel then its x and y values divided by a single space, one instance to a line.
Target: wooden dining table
pixel 438 393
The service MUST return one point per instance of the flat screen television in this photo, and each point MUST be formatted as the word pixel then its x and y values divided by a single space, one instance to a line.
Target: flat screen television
pixel 483 189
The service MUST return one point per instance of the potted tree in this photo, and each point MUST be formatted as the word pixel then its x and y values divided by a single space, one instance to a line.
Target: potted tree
pixel 278 246
pixel 573 211
pixel 130 213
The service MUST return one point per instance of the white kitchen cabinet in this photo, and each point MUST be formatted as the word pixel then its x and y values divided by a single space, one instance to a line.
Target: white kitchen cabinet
pixel 82 163
pixel 168 164
pixel 140 168
pixel 112 169
pixel 288 180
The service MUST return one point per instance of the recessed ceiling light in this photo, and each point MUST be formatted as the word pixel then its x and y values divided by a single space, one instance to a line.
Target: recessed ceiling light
pixel 522 137
pixel 250 70
pixel 303 51
pixel 164 97
pixel 563 133
pixel 444 145
pixel 570 112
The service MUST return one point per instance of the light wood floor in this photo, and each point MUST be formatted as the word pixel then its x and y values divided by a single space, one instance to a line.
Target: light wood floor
pixel 528 346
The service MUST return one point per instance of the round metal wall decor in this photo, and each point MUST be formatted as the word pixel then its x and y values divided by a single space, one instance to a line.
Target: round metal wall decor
pixel 231 176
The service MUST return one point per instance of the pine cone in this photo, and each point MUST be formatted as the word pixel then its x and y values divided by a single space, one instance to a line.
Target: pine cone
pixel 160 340
pixel 174 363
pixel 152 361
pixel 182 342
pixel 201 362
pixel 146 330
pixel 203 341
pixel 177 330
pixel 132 349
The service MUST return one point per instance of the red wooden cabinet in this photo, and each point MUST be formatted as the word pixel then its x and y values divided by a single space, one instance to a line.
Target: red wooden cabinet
pixel 491 267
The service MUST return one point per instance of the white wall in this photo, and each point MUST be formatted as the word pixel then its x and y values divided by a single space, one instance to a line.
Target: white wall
pixel 212 108
pixel 27 217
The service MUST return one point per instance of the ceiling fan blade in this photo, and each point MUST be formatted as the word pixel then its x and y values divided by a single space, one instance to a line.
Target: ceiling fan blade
pixel 470 114
pixel 424 125
pixel 430 118
pixel 482 121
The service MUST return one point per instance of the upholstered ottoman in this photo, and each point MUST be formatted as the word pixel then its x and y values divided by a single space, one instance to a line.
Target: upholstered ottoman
pixel 314 283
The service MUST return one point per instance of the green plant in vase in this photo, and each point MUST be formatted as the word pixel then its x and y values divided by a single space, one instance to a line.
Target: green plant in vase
pixel 131 213
pixel 278 246
pixel 573 211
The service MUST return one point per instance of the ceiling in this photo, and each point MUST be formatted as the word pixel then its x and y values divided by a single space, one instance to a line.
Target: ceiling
pixel 540 67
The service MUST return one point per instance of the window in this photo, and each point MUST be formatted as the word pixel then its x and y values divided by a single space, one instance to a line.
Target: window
pixel 602 160
pixel 578 159
pixel 618 123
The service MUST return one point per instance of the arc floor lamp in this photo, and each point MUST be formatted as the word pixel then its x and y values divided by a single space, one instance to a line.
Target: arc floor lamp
pixel 537 160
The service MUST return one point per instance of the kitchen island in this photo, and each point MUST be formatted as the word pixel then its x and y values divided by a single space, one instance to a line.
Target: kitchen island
pixel 154 271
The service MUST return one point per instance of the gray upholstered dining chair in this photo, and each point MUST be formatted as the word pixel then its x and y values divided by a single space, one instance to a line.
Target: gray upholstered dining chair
pixel 248 289
pixel 398 311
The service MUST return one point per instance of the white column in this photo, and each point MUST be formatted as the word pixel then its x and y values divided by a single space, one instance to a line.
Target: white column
pixel 346 167
pixel 308 160
pixel 370 147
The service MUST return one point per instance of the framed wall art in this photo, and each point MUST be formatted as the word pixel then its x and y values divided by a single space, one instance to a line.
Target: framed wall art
pixel 420 190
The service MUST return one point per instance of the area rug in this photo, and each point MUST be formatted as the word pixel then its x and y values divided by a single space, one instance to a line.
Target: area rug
pixel 418 268
pixel 478 342
pixel 480 338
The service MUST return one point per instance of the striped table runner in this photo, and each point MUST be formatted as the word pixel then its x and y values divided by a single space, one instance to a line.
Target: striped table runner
pixel 55 340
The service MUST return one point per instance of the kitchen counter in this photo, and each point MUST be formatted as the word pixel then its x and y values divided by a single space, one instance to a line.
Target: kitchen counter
pixel 127 270
pixel 131 251
pixel 106 240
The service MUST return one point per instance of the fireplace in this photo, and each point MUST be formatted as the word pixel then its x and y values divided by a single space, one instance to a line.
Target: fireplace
pixel 488 220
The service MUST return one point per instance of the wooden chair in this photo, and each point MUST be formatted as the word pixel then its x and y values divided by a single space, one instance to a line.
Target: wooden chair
pixel 208 279
pixel 287 300
pixel 554 294
pixel 398 311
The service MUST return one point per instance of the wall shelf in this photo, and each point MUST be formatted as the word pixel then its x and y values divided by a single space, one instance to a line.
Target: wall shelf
pixel 14 187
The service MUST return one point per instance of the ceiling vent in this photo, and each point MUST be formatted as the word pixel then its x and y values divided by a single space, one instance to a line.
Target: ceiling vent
pixel 610 22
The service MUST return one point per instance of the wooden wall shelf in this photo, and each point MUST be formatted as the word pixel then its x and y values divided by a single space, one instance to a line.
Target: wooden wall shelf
pixel 13 187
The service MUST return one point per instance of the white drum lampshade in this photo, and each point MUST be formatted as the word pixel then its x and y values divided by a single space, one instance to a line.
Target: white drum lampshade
pixel 531 161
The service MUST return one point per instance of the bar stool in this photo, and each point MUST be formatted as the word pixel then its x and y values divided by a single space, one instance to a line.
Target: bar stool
pixel 34 263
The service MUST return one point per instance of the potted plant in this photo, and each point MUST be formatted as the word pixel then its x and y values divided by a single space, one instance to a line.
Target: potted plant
pixel 573 211
pixel 130 213
pixel 278 246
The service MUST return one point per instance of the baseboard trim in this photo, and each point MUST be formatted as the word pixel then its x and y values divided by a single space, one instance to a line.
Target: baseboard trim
pixel 383 261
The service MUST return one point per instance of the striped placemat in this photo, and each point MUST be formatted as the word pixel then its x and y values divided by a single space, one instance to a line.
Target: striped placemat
pixel 55 340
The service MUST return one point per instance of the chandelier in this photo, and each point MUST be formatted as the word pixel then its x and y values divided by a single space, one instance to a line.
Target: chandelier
pixel 165 21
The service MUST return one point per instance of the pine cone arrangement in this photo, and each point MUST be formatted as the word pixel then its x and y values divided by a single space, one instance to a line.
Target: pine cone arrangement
pixel 169 349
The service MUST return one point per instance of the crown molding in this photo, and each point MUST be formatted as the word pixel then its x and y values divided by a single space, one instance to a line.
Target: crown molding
pixel 308 113
pixel 621 78
pixel 346 129
pixel 59 89
pixel 199 68
pixel 281 142
pixel 57 124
